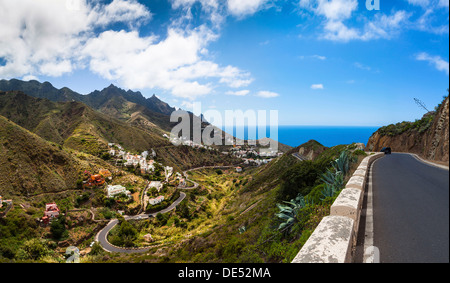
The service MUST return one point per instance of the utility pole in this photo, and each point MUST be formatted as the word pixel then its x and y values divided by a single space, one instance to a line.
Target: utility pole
pixel 421 104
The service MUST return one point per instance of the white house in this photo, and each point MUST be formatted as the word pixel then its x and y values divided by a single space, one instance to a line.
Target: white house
pixel 117 189
pixel 155 201
pixel 238 169
pixel 156 184
pixel 132 160
pixel 168 171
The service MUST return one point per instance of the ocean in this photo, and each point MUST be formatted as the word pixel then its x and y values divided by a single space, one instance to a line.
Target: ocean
pixel 326 135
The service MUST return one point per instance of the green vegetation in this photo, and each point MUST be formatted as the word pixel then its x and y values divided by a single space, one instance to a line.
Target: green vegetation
pixel 264 214
pixel 239 218
pixel 397 129
pixel 58 228
pixel 288 213
pixel 124 235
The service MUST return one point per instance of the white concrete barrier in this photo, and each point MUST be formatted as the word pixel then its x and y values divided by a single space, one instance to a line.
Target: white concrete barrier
pixel 329 243
pixel 335 236
pixel 356 182
pixel 348 203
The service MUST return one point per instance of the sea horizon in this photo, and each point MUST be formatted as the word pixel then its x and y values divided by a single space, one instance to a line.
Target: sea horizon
pixel 295 135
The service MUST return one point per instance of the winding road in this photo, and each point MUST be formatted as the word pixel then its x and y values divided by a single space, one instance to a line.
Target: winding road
pixel 408 208
pixel 102 236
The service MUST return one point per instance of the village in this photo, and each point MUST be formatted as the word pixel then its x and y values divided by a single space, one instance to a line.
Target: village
pixel 159 178
pixel 143 164
pixel 158 175
pixel 250 154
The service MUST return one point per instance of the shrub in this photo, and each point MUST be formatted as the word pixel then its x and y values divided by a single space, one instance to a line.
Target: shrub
pixel 300 179
pixel 58 228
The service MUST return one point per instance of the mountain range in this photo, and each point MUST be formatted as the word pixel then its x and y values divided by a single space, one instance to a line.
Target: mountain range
pixel 128 106
pixel 87 123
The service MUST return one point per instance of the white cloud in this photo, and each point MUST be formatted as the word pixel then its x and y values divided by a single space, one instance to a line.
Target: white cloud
pixel 443 3
pixel 439 63
pixel 318 57
pixel 46 38
pixel 362 66
pixel 212 9
pixel 338 12
pixel 422 3
pixel 187 105
pixel 238 93
pixel 429 4
pixel 30 78
pixel 384 26
pixel 122 11
pixel 241 8
pixel 174 64
pixel 317 86
pixel 267 94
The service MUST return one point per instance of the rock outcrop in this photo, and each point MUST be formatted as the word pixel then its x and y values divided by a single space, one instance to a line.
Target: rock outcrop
pixel 430 141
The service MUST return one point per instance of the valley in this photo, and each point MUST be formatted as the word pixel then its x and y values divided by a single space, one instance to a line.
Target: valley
pixel 186 203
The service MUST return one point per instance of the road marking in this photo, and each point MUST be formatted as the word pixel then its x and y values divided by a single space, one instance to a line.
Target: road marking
pixel 427 162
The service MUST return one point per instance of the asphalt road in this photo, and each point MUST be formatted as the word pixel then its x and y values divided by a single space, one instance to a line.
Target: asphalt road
pixel 103 234
pixel 410 210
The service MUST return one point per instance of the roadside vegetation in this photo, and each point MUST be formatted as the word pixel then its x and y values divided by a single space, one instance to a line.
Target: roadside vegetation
pixel 259 216
pixel 419 125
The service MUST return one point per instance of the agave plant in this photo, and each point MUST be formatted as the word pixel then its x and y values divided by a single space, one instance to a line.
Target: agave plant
pixel 288 213
pixel 334 179
pixel 333 185
pixel 342 164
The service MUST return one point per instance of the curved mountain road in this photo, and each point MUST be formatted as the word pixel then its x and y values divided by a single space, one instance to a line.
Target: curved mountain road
pixel 102 236
pixel 409 210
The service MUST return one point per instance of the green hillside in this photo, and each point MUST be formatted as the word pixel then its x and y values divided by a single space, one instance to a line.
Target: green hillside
pixel 32 165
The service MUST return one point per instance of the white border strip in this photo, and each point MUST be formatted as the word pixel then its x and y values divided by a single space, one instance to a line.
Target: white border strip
pixel 425 161
pixel 368 233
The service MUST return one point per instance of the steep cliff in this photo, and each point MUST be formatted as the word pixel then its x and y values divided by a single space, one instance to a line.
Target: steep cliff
pixel 428 137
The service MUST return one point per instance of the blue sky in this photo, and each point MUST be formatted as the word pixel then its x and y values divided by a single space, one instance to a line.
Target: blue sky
pixel 318 62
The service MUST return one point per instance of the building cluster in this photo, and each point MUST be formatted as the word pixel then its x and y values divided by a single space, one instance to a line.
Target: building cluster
pixel 188 142
pixel 51 212
pixel 256 162
pixel 156 184
pixel 252 156
pixel 155 201
pixel 134 160
pixel 95 180
pixel 113 191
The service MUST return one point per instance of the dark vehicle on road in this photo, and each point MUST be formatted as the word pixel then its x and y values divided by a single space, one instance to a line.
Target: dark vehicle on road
pixel 386 150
